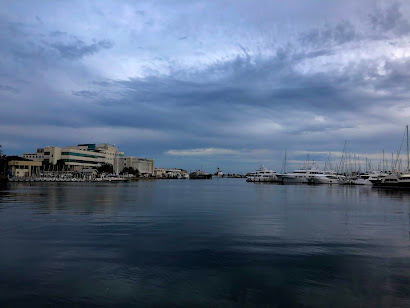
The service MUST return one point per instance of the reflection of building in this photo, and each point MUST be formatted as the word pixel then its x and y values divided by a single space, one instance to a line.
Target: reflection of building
pixel 24 168
pixel 78 157
pixel 145 166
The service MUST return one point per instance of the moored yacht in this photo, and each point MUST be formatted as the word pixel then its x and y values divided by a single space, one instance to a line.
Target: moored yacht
pixel 370 178
pixel 301 176
pixel 327 177
pixel 394 180
pixel 362 179
pixel 263 175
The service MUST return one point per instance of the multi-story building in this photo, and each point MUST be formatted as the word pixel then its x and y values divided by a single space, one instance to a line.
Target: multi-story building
pixel 78 157
pixel 38 156
pixel 145 166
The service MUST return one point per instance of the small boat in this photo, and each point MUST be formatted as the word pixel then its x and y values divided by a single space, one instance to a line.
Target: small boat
pixel 113 178
pixel 218 173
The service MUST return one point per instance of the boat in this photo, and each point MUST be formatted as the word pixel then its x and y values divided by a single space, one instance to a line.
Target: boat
pixel 397 179
pixel 370 178
pixel 301 176
pixel 200 175
pixel 362 179
pixel 394 180
pixel 262 175
pixel 113 178
pixel 218 173
pixel 327 177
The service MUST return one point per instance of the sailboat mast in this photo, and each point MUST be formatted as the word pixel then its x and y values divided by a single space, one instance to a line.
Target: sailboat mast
pixel 408 159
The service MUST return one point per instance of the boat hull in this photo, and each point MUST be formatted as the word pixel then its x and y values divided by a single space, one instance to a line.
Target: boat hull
pixel 324 180
pixel 270 179
pixel 401 185
pixel 295 180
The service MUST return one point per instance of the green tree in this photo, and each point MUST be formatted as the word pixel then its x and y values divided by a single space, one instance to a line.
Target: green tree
pixel 106 168
pixel 2 162
pixel 130 170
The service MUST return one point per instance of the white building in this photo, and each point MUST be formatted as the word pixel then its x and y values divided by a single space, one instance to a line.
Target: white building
pixel 38 156
pixel 145 166
pixel 78 157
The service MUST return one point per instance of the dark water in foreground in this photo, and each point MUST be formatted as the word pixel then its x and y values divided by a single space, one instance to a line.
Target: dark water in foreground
pixel 211 243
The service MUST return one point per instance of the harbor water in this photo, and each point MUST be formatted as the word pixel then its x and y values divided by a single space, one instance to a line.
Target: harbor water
pixel 220 242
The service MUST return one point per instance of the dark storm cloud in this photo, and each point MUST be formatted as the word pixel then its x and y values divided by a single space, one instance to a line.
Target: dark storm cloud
pixel 85 94
pixel 8 88
pixel 76 49
pixel 221 99
pixel 396 80
pixel 58 34
pixel 341 33
pixel 390 18
pixel 24 43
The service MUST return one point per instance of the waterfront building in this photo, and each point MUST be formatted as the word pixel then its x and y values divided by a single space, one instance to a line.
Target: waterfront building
pixel 38 156
pixel 159 172
pixel 78 157
pixel 24 168
pixel 145 166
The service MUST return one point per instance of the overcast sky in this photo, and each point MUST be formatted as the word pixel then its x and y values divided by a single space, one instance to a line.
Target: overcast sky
pixel 214 83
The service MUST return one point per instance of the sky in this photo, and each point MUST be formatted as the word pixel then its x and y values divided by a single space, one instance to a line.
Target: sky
pixel 229 84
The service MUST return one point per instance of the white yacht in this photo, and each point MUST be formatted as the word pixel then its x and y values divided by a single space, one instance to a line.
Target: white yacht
pixel 362 179
pixel 394 180
pixel 370 178
pixel 301 176
pixel 327 177
pixel 263 175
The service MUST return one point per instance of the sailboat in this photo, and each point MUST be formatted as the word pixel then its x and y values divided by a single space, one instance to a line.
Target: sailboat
pixel 397 179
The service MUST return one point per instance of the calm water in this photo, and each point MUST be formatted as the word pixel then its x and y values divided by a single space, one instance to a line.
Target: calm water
pixel 221 242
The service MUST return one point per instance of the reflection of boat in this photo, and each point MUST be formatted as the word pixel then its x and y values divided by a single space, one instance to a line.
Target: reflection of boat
pixel 262 175
pixel 218 173
pixel 200 175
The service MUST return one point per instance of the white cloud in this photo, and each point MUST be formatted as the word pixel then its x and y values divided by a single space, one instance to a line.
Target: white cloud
pixel 207 152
